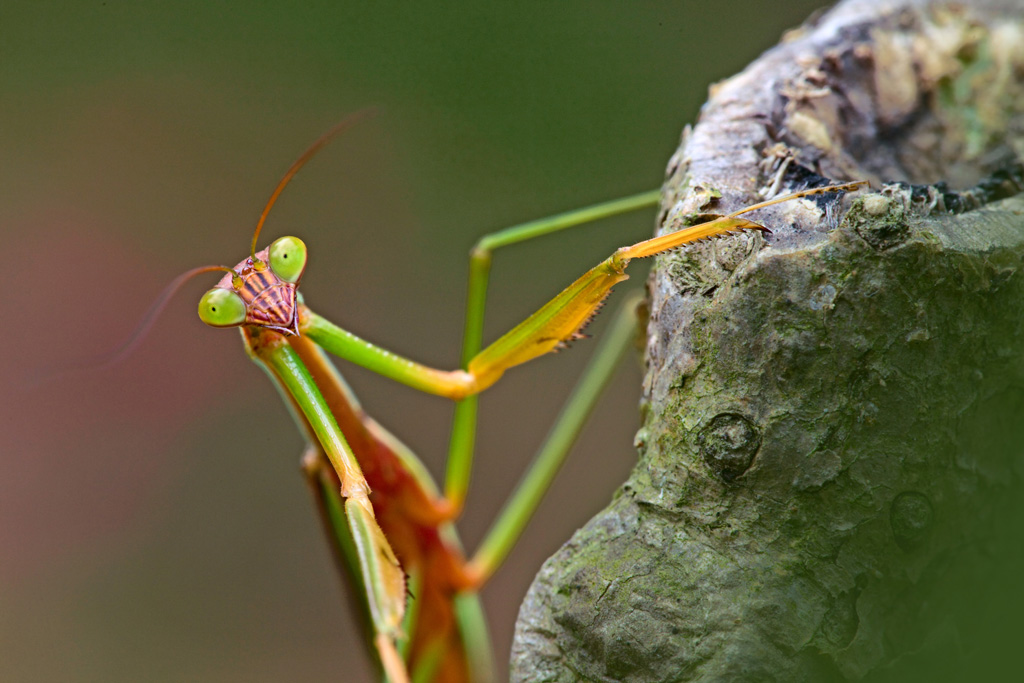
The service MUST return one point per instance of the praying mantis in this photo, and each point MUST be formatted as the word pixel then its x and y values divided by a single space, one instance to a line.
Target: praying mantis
pixel 390 526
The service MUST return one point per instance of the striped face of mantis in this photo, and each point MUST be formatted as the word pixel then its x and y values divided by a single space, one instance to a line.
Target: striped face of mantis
pixel 260 290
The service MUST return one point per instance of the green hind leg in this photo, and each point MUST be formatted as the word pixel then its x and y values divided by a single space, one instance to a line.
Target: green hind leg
pixel 521 505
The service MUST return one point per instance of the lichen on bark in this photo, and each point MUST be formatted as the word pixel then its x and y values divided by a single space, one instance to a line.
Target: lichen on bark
pixel 831 460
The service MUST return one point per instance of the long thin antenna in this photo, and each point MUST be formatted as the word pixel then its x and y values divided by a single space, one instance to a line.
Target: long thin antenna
pixel 138 334
pixel 320 143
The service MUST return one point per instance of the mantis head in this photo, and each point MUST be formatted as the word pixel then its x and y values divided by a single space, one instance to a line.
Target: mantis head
pixel 261 290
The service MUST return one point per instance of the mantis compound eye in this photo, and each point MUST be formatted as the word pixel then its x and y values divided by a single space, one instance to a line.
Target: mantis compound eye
pixel 288 258
pixel 221 308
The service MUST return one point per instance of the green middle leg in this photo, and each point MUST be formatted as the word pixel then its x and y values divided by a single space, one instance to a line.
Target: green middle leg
pixel 460 451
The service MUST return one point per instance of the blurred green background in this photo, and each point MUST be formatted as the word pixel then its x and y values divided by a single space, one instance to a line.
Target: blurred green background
pixel 153 523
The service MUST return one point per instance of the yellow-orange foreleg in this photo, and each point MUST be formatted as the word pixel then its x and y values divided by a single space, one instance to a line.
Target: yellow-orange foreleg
pixel 562 319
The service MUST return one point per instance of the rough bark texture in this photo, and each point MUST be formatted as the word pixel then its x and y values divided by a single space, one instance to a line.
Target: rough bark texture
pixel 830 475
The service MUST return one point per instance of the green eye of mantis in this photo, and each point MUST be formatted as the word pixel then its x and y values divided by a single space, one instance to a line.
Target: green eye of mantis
pixel 288 258
pixel 221 308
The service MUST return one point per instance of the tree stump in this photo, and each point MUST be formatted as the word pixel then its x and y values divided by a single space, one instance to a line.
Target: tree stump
pixel 832 450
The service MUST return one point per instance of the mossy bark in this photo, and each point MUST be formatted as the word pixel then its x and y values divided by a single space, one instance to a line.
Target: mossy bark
pixel 830 479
